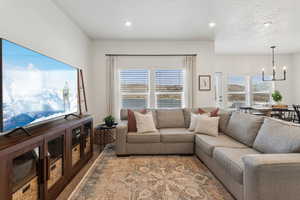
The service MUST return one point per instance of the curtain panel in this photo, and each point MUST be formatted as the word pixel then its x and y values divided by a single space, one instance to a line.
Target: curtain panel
pixel 114 63
pixel 190 68
pixel 112 86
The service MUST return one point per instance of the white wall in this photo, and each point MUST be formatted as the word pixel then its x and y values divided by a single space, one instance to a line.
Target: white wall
pixel 41 26
pixel 207 63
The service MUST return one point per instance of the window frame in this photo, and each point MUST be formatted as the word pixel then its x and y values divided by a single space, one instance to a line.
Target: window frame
pixel 183 96
pixel 152 94
pixel 245 92
pixel 260 92
pixel 120 93
pixel 249 92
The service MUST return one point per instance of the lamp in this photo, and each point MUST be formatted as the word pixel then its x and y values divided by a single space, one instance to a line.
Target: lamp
pixel 274 70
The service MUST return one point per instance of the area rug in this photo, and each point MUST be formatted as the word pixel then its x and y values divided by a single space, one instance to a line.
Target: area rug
pixel 149 178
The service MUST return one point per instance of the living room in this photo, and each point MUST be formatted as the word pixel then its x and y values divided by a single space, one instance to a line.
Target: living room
pixel 173 99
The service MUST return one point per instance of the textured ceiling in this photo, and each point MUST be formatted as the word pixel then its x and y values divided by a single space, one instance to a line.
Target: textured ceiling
pixel 240 23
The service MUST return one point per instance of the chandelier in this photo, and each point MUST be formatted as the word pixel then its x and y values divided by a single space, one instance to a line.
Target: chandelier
pixel 274 70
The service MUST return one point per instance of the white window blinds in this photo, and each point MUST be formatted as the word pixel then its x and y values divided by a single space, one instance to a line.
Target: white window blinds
pixel 169 86
pixel 134 88
pixel 156 88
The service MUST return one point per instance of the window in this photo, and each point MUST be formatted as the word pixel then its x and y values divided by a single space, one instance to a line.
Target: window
pixel 134 88
pixel 154 88
pixel 169 88
pixel 236 91
pixel 261 90
pixel 246 91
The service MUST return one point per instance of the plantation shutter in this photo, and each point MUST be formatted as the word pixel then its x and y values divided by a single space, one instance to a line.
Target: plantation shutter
pixel 134 88
pixel 169 87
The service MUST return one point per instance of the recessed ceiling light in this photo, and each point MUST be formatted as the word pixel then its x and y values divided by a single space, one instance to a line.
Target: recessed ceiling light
pixel 128 23
pixel 267 24
pixel 212 24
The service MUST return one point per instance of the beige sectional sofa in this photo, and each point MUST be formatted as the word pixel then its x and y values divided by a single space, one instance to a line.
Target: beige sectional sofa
pixel 256 158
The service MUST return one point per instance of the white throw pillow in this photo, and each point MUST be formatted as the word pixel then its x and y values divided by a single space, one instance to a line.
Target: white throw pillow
pixel 194 117
pixel 144 122
pixel 207 125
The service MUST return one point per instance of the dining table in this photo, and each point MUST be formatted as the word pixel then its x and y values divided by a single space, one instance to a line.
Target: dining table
pixel 269 111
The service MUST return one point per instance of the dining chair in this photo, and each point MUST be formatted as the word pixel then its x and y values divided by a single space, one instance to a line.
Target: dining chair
pixel 297 111
pixel 289 115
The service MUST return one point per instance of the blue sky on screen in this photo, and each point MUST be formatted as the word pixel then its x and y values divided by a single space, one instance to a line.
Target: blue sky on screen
pixel 18 56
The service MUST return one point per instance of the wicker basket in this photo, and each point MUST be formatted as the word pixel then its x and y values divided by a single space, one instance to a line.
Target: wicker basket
pixel 75 154
pixel 88 145
pixel 55 172
pixel 28 192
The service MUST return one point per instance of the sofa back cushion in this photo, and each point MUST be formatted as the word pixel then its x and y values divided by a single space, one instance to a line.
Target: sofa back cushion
pixel 244 127
pixel 276 136
pixel 223 121
pixel 170 118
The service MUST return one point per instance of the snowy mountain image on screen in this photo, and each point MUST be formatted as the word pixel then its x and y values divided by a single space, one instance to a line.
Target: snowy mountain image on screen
pixel 35 88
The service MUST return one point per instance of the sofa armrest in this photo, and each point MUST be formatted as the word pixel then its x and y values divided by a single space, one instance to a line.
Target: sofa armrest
pixel 121 135
pixel 272 176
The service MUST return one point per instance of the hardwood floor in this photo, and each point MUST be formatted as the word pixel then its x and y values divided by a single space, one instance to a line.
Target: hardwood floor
pixel 64 195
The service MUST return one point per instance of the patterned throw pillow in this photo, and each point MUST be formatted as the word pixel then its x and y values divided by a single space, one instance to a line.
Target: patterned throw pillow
pixel 144 122
pixel 207 125
pixel 132 121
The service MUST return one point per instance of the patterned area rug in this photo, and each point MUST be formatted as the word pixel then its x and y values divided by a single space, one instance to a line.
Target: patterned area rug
pixel 149 178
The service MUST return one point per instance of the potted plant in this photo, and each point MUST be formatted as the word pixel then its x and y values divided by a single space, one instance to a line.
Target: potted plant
pixel 109 120
pixel 277 97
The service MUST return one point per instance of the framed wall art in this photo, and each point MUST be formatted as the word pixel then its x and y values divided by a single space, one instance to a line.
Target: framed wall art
pixel 204 82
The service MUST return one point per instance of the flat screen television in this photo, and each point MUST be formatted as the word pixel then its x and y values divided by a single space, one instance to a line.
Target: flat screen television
pixel 35 88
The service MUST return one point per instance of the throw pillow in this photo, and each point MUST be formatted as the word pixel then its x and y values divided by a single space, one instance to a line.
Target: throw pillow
pixel 207 125
pixel 193 123
pixel 213 113
pixel 132 121
pixel 144 122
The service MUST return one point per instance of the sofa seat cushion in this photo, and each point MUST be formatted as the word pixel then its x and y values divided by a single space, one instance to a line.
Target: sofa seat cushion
pixel 230 159
pixel 176 135
pixel 244 127
pixel 277 136
pixel 207 143
pixel 150 137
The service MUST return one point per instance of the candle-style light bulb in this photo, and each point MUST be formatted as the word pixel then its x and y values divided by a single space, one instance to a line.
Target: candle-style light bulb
pixel 263 74
pixel 284 68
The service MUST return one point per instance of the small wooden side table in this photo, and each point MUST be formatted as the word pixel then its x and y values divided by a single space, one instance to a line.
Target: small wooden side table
pixel 104 135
